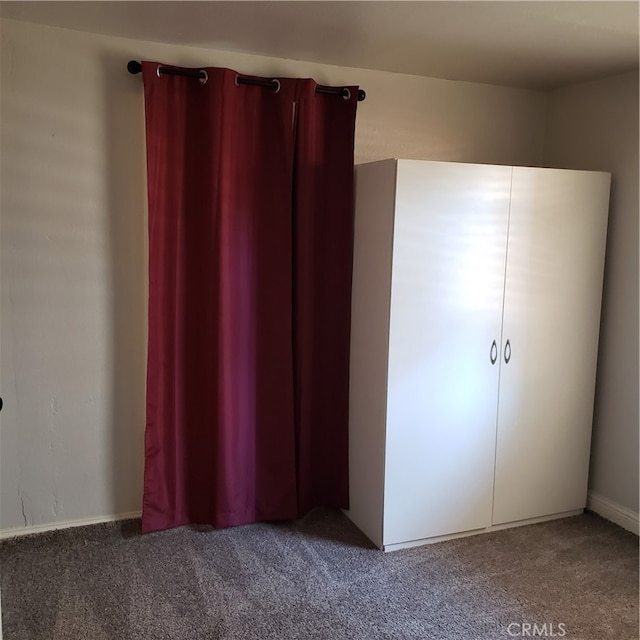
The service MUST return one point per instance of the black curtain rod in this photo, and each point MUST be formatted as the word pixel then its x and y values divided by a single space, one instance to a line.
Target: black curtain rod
pixel 136 67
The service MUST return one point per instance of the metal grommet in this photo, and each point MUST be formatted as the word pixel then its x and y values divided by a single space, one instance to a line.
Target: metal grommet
pixel 236 80
pixel 346 94
pixel 277 84
pixel 202 80
pixel 158 71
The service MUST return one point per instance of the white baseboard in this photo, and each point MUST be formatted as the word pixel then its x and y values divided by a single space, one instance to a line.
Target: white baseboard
pixel 53 526
pixel 610 510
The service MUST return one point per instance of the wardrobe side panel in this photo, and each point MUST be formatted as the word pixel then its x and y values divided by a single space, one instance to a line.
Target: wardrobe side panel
pixel 446 311
pixel 375 196
pixel 553 292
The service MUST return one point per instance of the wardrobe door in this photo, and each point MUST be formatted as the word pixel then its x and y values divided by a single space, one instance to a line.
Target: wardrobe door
pixel 553 290
pixel 447 283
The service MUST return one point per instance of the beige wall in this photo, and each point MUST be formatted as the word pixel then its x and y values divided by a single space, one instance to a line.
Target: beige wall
pixel 595 126
pixel 73 266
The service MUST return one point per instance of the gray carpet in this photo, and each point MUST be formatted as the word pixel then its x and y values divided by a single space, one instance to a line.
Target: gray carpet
pixel 318 578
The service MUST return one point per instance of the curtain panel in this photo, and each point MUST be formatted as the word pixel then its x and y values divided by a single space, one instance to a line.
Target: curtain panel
pixel 250 196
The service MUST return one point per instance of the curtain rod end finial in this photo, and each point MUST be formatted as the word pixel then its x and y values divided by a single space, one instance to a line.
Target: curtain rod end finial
pixel 133 66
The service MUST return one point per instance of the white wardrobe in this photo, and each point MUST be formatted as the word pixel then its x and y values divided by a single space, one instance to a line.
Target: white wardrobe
pixel 475 320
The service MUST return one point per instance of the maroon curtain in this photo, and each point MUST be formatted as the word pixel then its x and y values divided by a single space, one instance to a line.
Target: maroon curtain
pixel 247 365
pixel 322 259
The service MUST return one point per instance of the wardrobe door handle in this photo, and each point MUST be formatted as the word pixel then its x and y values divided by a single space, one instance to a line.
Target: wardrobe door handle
pixel 493 354
pixel 507 352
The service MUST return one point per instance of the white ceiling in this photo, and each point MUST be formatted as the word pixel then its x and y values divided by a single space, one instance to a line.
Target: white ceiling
pixel 537 45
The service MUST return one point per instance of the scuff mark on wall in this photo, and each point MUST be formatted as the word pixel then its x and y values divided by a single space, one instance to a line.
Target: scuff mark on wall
pixel 24 515
pixel 53 404
pixel 53 415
